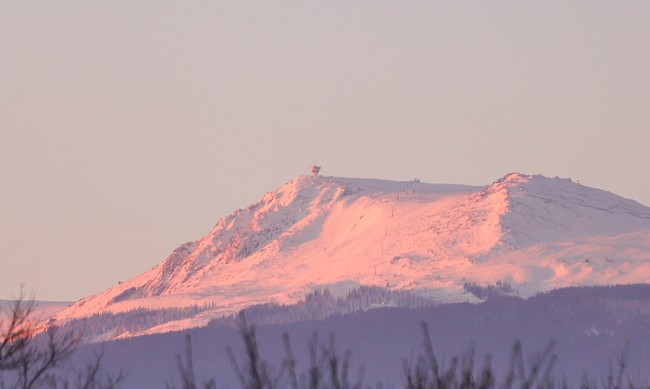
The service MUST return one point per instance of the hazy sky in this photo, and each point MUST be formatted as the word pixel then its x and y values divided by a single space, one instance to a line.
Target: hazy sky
pixel 130 127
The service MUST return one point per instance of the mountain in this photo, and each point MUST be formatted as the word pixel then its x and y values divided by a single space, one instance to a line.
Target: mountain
pixel 531 233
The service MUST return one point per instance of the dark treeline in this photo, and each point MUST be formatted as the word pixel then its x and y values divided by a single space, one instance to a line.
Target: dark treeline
pixel 316 305
pixel 320 304
pixel 111 325
pixel 583 304
pixel 484 292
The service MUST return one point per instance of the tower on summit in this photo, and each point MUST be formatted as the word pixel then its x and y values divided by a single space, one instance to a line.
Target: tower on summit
pixel 315 170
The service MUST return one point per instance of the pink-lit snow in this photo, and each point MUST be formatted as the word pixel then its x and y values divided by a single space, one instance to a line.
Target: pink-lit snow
pixel 534 232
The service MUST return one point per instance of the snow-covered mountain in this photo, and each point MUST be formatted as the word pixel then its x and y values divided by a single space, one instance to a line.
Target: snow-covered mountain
pixel 532 232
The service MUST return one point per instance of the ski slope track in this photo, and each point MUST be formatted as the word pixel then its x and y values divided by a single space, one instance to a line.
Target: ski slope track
pixel 533 232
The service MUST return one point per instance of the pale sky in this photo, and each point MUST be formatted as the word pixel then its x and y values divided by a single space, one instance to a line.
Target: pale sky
pixel 130 127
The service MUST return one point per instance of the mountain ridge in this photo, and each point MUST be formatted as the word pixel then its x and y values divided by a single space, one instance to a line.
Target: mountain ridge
pixel 530 231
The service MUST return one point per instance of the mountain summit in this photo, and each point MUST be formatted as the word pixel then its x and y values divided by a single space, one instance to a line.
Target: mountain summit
pixel 531 232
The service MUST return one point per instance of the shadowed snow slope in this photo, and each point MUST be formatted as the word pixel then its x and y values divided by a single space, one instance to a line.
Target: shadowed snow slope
pixel 533 232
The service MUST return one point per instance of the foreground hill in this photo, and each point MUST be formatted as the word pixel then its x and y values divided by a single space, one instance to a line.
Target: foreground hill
pixel 530 232
pixel 591 326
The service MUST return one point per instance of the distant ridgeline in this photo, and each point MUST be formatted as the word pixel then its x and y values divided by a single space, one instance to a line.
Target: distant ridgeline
pixel 594 303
